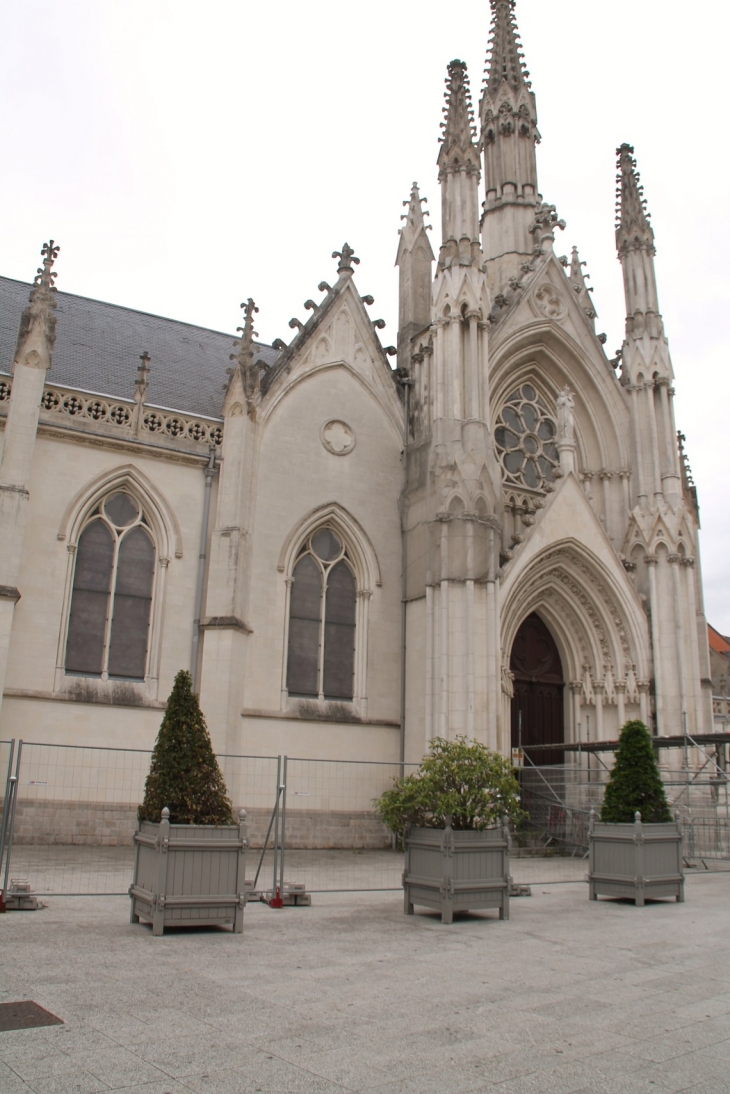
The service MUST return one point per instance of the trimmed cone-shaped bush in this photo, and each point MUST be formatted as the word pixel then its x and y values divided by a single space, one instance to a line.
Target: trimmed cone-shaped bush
pixel 184 773
pixel 635 782
pixel 462 779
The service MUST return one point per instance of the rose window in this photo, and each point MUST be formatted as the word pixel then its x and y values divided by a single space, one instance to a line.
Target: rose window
pixel 525 439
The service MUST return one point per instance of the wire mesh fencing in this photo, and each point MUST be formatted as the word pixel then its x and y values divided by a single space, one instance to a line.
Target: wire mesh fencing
pixel 312 823
pixel 333 839
pixel 560 799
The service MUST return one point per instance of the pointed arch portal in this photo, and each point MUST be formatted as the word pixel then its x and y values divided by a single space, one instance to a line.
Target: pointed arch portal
pixel 537 702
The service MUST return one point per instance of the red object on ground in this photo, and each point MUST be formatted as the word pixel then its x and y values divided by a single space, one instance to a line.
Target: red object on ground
pixel 277 901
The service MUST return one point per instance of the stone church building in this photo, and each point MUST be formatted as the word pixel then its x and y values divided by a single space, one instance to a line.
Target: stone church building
pixel 496 538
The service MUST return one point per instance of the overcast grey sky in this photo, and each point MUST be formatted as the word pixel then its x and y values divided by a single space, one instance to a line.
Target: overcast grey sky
pixel 189 153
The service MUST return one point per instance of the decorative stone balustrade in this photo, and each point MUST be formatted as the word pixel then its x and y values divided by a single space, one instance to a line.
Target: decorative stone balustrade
pixel 123 417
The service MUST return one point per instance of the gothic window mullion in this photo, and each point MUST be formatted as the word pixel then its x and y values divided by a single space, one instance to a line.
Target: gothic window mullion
pixel 110 608
pixel 323 617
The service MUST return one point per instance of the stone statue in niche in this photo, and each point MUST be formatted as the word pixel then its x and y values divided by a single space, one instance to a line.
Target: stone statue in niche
pixel 566 418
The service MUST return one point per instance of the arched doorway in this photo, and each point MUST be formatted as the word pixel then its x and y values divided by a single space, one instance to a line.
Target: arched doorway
pixel 538 692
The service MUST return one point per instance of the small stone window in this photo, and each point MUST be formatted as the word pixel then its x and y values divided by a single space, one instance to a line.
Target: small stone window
pixel 525 439
pixel 321 654
pixel 112 593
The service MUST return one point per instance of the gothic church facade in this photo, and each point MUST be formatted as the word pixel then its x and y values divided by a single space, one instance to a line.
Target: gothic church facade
pixel 497 538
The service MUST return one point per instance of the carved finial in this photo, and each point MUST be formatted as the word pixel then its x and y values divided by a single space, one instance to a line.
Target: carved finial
pixel 250 370
pixel 165 813
pixel 546 221
pixel 346 257
pixel 46 275
pixel 38 317
pixel 143 371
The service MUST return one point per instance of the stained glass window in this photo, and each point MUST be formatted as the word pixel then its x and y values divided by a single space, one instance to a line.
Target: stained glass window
pixel 112 593
pixel 525 439
pixel 321 654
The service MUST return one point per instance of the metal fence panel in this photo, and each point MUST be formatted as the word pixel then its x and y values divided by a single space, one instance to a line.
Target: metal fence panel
pixel 76 813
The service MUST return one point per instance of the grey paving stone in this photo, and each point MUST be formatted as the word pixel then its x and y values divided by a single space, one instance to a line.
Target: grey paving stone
pixel 10 1081
pixel 352 995
pixel 720 1050
pixel 684 1072
pixel 119 1068
pixel 73 1081
pixel 36 1061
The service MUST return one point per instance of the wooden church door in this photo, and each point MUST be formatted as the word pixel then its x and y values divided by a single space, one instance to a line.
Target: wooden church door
pixel 538 692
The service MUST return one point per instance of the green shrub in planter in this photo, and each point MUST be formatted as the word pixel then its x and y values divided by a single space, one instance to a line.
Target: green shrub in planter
pixel 460 779
pixel 635 782
pixel 452 816
pixel 184 773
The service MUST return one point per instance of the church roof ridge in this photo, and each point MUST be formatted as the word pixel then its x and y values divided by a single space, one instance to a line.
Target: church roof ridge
pixel 98 345
pixel 126 308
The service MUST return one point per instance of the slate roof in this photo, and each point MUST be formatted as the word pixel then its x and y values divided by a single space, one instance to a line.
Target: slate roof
pixel 98 347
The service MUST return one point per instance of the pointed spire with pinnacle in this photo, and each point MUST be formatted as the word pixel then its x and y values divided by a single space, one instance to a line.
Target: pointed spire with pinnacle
pixel 37 333
pixel 413 260
pixel 506 59
pixel 633 230
pixel 414 222
pixel 508 116
pixel 248 369
pixel 635 246
pixel 578 284
pixel 459 174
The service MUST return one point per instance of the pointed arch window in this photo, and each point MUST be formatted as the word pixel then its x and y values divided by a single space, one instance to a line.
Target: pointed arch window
pixel 322 614
pixel 109 619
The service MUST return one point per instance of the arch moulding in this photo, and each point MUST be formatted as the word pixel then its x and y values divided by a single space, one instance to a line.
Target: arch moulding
pixel 127 476
pixel 356 539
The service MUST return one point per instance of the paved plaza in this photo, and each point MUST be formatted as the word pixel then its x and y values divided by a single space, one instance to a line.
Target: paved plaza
pixel 351 995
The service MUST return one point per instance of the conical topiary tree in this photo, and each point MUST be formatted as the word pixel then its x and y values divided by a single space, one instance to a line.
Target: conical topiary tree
pixel 184 773
pixel 635 782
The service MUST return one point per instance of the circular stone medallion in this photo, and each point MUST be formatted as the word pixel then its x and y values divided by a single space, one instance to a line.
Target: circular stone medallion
pixel 338 437
pixel 549 301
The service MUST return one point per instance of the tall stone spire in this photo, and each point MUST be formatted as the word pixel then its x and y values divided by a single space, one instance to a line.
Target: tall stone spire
pixel 646 366
pixel 508 115
pixel 413 260
pixel 459 174
pixel 635 246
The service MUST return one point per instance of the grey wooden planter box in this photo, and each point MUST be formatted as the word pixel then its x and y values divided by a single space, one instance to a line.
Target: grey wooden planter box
pixel 454 871
pixel 636 860
pixel 189 875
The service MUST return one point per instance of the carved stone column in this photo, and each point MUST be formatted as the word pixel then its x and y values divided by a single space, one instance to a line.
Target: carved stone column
pixel 651 563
